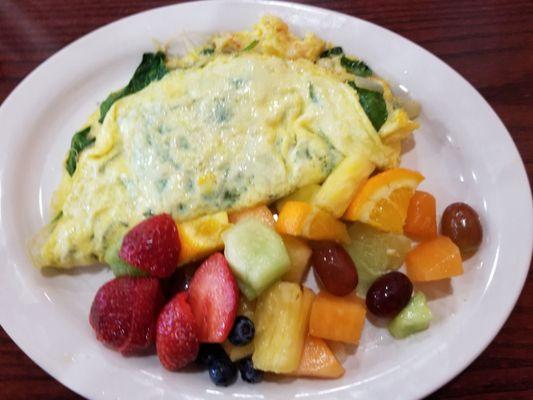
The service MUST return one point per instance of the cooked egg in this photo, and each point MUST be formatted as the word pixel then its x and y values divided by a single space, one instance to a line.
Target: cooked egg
pixel 227 133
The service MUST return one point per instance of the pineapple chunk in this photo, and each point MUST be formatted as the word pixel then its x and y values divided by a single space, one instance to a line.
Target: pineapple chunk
pixel 339 188
pixel 299 253
pixel 202 236
pixel 281 324
pixel 235 353
pixel 305 194
pixel 262 213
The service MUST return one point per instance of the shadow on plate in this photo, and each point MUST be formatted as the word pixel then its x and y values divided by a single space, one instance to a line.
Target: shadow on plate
pixel 376 321
pixel 408 144
pixel 51 272
pixel 436 289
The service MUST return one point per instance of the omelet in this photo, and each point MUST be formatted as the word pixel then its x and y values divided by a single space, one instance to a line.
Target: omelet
pixel 247 119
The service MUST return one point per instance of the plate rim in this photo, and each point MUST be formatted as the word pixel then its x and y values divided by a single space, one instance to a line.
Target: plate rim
pixel 458 367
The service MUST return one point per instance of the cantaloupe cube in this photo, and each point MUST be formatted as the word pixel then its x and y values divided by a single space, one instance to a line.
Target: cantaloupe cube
pixel 433 260
pixel 318 360
pixel 337 318
pixel 421 220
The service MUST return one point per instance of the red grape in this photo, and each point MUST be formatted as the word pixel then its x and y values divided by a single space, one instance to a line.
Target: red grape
pixel 461 224
pixel 334 267
pixel 389 294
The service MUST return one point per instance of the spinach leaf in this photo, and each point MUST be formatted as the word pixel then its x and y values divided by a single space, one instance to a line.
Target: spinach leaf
pixel 252 44
pixel 207 51
pixel 57 217
pixel 333 51
pixel 80 141
pixel 374 105
pixel 152 68
pixel 355 67
pixel 148 214
pixel 230 196
pixel 108 102
pixel 312 93
pixel 161 184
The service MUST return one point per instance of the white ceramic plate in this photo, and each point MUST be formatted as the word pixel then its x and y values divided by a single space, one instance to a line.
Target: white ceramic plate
pixel 462 148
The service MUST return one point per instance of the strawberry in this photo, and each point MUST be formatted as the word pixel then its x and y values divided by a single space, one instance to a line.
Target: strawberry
pixel 176 341
pixel 214 299
pixel 124 313
pixel 153 246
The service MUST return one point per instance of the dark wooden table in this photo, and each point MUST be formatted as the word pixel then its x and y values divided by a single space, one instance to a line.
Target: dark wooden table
pixel 488 42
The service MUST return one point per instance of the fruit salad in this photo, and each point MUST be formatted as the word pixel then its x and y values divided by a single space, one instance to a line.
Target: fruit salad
pixel 244 307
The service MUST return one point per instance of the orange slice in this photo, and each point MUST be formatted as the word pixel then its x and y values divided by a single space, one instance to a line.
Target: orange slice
pixel 298 218
pixel 384 199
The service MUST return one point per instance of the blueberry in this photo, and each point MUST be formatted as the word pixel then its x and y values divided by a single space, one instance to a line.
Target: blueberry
pixel 207 353
pixel 248 372
pixel 222 371
pixel 243 331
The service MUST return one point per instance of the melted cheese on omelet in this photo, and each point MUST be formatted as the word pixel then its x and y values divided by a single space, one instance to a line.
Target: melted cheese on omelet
pixel 227 133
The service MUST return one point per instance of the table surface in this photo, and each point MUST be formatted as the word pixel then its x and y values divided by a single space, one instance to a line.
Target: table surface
pixel 488 42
